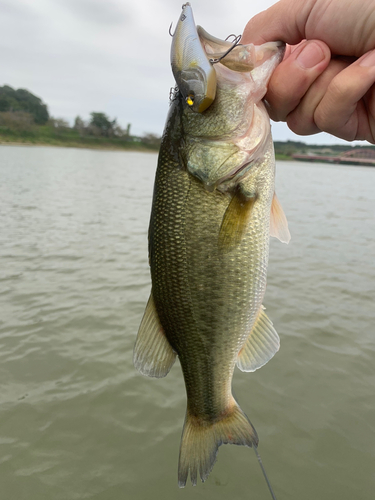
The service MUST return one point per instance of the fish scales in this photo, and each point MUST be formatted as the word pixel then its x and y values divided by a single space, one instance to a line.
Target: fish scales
pixel 208 247
pixel 202 293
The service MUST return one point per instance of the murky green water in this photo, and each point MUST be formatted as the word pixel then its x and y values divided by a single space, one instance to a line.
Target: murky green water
pixel 76 420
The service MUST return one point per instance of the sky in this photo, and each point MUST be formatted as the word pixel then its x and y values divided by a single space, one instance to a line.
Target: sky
pixel 110 56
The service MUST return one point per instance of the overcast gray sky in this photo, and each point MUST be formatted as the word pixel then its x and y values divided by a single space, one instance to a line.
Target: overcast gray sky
pixel 109 55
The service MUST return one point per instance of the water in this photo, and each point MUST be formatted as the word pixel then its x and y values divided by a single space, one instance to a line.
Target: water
pixel 76 420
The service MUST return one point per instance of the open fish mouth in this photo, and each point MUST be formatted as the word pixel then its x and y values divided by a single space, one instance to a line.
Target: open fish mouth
pixel 221 77
pixel 194 52
pixel 219 155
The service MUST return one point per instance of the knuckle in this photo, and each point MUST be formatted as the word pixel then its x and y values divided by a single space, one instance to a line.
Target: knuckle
pixel 340 89
pixel 276 114
pixel 301 125
pixel 281 102
pixel 323 119
pixel 286 90
pixel 344 128
pixel 330 119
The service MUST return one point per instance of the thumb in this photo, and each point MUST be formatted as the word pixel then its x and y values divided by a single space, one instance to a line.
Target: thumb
pixel 283 21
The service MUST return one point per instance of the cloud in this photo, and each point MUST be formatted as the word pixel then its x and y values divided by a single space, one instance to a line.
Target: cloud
pixel 101 13
pixel 106 55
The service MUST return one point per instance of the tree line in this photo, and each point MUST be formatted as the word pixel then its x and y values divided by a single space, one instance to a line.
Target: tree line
pixel 23 112
pixel 24 115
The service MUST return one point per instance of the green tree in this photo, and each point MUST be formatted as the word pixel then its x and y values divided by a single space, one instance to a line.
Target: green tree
pixel 79 124
pixel 12 100
pixel 101 124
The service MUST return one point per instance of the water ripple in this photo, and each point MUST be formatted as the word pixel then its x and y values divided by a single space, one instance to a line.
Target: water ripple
pixel 77 421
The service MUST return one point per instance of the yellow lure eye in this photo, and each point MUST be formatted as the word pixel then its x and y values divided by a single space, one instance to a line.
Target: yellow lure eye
pixel 190 99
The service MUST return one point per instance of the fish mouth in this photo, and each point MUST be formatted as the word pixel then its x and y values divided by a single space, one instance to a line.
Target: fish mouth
pixel 194 52
pixel 221 160
pixel 222 83
pixel 238 57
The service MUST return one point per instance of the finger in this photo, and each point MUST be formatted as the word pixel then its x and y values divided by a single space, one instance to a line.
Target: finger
pixel 302 120
pixel 341 111
pixel 293 77
pixel 283 21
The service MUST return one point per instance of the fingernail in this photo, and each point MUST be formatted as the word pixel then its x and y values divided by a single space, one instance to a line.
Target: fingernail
pixel 369 59
pixel 310 56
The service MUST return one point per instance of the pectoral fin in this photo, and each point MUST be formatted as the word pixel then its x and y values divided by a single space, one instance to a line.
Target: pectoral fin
pixel 278 223
pixel 153 356
pixel 235 221
pixel 261 345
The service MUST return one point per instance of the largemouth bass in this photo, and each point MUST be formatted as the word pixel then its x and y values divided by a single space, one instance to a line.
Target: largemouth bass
pixel 213 211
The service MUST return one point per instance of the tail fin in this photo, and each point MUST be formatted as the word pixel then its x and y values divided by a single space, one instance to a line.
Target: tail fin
pixel 200 442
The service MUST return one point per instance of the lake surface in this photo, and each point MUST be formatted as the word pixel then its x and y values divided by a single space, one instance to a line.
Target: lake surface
pixel 78 422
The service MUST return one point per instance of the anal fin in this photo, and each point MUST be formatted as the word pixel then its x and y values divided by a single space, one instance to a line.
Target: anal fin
pixel 261 345
pixel 153 355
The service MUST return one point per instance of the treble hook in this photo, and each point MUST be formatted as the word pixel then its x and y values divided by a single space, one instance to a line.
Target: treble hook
pixel 173 93
pixel 233 35
pixel 170 29
pixel 236 41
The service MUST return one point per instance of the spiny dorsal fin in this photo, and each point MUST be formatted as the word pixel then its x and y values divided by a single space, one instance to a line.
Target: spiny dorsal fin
pixel 153 356
pixel 235 221
pixel 261 345
pixel 278 223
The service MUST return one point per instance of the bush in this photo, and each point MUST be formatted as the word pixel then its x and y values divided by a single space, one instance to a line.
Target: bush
pixel 18 121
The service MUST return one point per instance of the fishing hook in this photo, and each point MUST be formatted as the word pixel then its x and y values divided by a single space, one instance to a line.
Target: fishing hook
pixel 170 29
pixel 235 43
pixel 173 93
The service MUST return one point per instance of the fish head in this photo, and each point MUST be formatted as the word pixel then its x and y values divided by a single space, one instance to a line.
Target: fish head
pixel 226 139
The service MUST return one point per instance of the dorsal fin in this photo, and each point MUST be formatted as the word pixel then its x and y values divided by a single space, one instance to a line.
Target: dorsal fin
pixel 278 223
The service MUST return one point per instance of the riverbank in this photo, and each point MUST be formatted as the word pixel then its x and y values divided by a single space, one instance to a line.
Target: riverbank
pixel 71 139
pixel 103 143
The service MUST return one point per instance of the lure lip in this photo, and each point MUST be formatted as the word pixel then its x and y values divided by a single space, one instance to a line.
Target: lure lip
pixel 194 74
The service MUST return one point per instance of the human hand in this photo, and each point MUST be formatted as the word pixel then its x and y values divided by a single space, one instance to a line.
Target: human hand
pixel 311 89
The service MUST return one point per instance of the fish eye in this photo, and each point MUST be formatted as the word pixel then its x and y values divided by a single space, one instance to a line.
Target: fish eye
pixel 190 99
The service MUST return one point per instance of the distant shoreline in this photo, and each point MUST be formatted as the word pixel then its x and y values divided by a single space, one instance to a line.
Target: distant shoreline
pixel 99 146
pixel 103 145
pixel 284 151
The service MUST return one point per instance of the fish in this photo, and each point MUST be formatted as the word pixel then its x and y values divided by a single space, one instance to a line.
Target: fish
pixel 213 211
